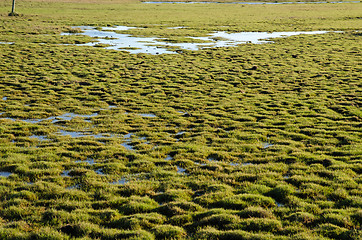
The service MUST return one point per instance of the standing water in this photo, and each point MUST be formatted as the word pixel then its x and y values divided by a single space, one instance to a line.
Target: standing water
pixel 154 45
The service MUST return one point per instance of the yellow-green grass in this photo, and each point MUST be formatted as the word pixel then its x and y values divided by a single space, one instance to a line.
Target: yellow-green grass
pixel 269 135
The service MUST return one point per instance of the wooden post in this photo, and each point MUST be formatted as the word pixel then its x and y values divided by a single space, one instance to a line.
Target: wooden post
pixel 13 7
pixel 13 13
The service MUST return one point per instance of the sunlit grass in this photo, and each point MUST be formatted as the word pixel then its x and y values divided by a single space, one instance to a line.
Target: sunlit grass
pixel 248 142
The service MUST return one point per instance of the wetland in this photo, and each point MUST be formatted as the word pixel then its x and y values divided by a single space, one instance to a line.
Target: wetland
pixel 107 38
pixel 231 141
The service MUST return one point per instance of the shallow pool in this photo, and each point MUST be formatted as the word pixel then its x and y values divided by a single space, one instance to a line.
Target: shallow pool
pixel 107 38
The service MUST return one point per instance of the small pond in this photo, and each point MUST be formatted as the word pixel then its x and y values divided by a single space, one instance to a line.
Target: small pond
pixel 107 38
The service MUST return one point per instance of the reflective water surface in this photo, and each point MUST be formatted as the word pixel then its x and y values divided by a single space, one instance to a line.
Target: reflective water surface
pixel 5 174
pixel 107 38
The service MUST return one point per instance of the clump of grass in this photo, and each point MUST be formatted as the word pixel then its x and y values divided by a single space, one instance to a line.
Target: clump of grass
pixel 302 217
pixel 220 221
pixel 169 232
pixel 281 192
pixel 244 200
pixel 178 208
pixel 333 231
pixel 173 195
pixel 138 221
pixel 260 224
pixel 137 204
pixel 256 212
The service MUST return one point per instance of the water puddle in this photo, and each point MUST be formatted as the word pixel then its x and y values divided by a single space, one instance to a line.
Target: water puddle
pixel 150 115
pixel 39 137
pixel 109 107
pixel 168 158
pixel 128 136
pixel 279 204
pixel 89 161
pixel 181 170
pixel 180 133
pixel 5 174
pixel 70 116
pixel 126 179
pixel 232 39
pixel 11 119
pixel 128 140
pixel 99 172
pixel 153 45
pixel 176 27
pixel 248 3
pixel 212 159
pixel 266 144
pixel 115 28
pixel 64 117
pixel 4 98
pixel 121 181
pixel 83 134
pixel 7 43
pixel 65 173
pixel 117 41
pixel 239 164
pixel 73 187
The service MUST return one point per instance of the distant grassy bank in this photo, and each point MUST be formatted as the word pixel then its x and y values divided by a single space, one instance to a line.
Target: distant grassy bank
pixel 288 17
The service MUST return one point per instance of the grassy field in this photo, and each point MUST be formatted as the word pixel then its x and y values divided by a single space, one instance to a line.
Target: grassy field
pixel 258 141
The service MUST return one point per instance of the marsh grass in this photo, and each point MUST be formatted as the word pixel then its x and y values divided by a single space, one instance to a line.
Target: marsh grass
pixel 210 112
